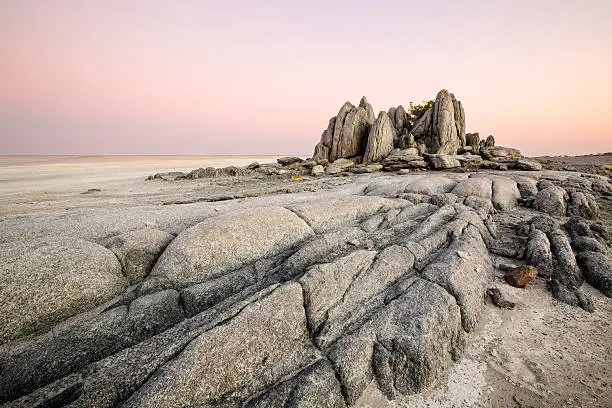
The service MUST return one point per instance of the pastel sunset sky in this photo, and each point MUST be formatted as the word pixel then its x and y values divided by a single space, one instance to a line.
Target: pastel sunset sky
pixel 264 77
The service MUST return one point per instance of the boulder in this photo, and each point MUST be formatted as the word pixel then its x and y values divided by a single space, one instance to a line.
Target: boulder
pixel 582 205
pixel 339 166
pixel 474 186
pixel 47 280
pixel 473 140
pixel 138 250
pixel 499 299
pixel 321 151
pixel 334 126
pixel 459 120
pixel 469 159
pixel 338 126
pixel 309 164
pixel 577 227
pixel 505 193
pixel 521 276
pixel 403 159
pixel 527 164
pixel 212 172
pixel 489 142
pixel 565 271
pixel 551 200
pixel 492 165
pixel 168 176
pixel 588 244
pixel 285 161
pixel 370 168
pixel 538 249
pixel 351 139
pixel 318 171
pixel 217 245
pixel 430 185
pixel 442 161
pixel 501 151
pixel 380 139
pixel 410 141
pixel 597 270
pixel 442 127
pixel 527 187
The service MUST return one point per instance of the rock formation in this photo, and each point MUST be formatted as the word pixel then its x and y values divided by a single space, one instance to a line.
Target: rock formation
pixel 380 139
pixel 442 127
pixel 391 138
pixel 349 134
pixel 346 134
pixel 301 299
pixel 473 140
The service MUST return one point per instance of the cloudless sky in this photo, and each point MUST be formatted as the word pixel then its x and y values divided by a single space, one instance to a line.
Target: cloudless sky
pixel 264 77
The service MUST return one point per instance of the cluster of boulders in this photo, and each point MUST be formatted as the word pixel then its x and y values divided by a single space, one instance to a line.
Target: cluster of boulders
pixel 413 158
pixel 355 141
pixel 208 172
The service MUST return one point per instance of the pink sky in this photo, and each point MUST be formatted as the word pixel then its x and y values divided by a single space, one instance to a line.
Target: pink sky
pixel 264 77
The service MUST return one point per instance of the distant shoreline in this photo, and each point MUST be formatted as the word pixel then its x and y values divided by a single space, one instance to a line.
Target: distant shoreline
pixel 90 156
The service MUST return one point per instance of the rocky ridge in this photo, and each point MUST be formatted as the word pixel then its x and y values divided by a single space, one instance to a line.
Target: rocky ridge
pixel 304 298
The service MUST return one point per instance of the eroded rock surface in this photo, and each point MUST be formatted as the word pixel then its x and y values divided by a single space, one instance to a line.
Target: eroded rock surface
pixel 302 300
pixel 47 280
pixel 380 139
pixel 443 126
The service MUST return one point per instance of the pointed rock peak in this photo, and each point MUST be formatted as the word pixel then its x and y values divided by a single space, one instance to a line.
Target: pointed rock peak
pixel 347 105
pixel 443 94
pixel 364 102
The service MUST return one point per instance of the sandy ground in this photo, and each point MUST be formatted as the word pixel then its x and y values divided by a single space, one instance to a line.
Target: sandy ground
pixel 541 354
pixel 71 173
pixel 49 184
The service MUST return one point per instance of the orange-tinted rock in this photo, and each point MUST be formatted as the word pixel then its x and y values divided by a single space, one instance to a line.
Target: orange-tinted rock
pixel 521 276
